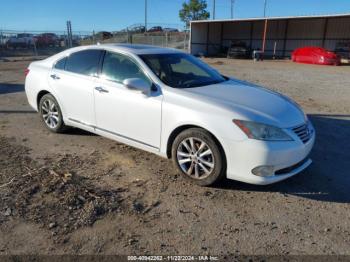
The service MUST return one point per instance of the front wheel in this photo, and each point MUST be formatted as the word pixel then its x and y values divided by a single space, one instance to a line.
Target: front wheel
pixel 51 114
pixel 199 157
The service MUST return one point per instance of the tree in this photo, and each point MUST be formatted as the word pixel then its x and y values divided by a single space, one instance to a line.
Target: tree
pixel 193 10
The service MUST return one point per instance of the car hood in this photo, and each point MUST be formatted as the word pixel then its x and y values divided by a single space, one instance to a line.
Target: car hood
pixel 251 102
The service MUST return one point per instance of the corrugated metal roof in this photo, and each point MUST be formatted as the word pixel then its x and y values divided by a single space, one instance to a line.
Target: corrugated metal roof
pixel 272 18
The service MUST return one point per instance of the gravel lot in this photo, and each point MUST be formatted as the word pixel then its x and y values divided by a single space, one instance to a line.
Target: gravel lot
pixel 78 193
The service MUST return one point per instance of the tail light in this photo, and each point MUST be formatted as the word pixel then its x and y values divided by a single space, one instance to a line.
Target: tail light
pixel 26 72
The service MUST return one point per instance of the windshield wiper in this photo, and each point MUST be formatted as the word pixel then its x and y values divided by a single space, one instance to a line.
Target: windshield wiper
pixel 202 84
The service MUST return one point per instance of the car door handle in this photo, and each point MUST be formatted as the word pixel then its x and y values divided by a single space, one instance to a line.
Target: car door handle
pixel 101 89
pixel 54 77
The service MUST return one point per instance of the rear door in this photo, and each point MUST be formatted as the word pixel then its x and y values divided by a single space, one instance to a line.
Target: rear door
pixel 73 79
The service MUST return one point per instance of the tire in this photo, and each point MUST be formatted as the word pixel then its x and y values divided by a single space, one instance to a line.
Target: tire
pixel 51 115
pixel 203 160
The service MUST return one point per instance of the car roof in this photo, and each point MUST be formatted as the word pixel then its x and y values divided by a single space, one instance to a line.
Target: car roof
pixel 137 49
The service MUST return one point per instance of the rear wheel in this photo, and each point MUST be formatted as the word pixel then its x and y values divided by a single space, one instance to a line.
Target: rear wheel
pixel 51 114
pixel 198 156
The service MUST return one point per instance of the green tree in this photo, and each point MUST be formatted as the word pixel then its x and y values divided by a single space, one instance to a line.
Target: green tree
pixel 193 10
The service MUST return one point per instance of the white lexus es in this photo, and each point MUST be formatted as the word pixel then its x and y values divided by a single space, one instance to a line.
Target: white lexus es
pixel 172 104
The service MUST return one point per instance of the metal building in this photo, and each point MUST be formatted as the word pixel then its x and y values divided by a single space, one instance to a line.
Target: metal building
pixel 283 34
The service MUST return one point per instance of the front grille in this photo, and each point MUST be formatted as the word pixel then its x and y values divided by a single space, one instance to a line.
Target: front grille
pixel 303 132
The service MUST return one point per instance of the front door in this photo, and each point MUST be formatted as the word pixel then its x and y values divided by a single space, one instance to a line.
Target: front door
pixel 124 112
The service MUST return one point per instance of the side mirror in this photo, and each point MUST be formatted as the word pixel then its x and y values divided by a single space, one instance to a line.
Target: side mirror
pixel 137 84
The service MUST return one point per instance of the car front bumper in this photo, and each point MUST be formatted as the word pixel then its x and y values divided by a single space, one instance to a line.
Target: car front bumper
pixel 286 159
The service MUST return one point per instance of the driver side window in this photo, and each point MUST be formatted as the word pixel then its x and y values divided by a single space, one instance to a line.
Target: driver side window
pixel 117 67
pixel 186 67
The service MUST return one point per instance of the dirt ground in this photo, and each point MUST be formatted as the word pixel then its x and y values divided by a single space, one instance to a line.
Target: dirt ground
pixel 78 193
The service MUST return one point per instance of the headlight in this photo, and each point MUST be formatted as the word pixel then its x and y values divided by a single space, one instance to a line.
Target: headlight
pixel 261 131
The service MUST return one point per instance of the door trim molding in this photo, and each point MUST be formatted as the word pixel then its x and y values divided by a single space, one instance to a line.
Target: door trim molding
pixel 113 133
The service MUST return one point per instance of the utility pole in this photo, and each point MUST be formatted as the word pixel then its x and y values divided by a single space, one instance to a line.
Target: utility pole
pixel 213 9
pixel 146 15
pixel 232 4
pixel 265 28
pixel 69 34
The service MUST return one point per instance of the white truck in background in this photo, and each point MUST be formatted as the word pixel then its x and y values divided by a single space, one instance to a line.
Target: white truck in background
pixel 23 40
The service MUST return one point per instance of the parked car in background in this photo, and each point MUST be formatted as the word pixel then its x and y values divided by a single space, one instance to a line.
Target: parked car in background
pixel 47 39
pixel 315 55
pixel 155 29
pixel 103 35
pixel 21 40
pixel 3 40
pixel 62 40
pixel 238 50
pixel 137 29
pixel 76 40
pixel 343 49
pixel 174 105
pixel 170 30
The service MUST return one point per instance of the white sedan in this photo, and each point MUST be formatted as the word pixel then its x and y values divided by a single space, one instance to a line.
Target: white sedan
pixel 172 104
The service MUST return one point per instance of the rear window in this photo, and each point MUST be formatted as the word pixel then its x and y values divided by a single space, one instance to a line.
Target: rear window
pixel 84 62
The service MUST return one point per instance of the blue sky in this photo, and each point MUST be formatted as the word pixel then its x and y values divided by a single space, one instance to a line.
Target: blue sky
pixel 88 15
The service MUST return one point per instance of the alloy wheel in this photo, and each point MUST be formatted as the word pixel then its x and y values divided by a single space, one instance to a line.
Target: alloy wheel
pixel 50 113
pixel 195 158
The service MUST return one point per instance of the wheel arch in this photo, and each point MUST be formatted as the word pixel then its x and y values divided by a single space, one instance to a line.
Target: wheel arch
pixel 39 96
pixel 182 128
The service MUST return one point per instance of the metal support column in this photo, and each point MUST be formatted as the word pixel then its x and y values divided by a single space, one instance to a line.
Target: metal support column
pixel 285 38
pixel 325 30
pixel 251 35
pixel 222 37
pixel 207 39
pixel 264 37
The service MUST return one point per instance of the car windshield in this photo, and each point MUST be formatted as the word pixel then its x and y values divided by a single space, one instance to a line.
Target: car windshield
pixel 181 70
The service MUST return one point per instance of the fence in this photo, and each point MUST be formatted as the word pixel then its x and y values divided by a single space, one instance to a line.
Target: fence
pixel 34 43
